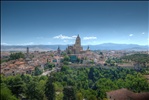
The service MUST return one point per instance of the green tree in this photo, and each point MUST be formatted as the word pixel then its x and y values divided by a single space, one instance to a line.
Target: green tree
pixel 92 97
pixel 14 56
pixel 26 78
pixel 69 93
pixel 79 96
pixel 64 68
pixel 16 85
pixel 91 74
pixel 35 90
pixel 6 93
pixel 50 89
pixel 38 71
pixel 66 58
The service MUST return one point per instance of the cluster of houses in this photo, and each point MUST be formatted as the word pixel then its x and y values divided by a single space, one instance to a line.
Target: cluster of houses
pixel 15 67
pixel 40 59
pixel 27 65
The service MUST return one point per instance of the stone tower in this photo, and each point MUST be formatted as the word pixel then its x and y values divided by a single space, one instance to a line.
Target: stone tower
pixel 76 48
pixel 78 41
pixel 77 45
pixel 27 51
pixel 27 55
pixel 58 50
pixel 88 48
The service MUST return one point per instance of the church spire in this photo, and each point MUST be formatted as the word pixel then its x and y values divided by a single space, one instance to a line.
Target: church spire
pixel 78 36
pixel 88 48
pixel 58 50
pixel 27 51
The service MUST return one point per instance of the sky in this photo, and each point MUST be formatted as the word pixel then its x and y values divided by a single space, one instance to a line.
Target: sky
pixel 59 22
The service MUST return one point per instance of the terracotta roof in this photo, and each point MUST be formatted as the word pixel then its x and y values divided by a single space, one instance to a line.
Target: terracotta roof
pixel 11 65
pixel 125 94
pixel 121 94
pixel 146 76
pixel 19 63
pixel 140 96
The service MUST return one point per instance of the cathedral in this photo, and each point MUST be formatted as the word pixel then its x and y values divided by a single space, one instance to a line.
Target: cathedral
pixel 76 48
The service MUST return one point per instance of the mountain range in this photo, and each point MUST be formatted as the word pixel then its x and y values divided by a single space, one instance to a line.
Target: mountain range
pixel 104 46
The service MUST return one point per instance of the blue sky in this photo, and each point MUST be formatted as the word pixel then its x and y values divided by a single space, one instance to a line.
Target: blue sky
pixel 44 22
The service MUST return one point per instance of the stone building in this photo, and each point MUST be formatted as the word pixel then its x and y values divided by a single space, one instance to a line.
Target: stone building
pixel 27 58
pixel 58 50
pixel 76 48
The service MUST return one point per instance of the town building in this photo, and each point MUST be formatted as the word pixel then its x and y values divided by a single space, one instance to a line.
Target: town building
pixel 76 48
pixel 125 94
pixel 27 58
pixel 58 50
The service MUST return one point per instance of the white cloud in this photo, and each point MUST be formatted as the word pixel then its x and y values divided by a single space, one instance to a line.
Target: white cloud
pixel 30 43
pixel 64 37
pixel 143 33
pixel 5 44
pixel 74 36
pixel 130 34
pixel 65 41
pixel 71 42
pixel 89 38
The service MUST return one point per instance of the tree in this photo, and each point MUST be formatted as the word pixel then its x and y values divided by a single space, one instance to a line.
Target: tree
pixel 66 58
pixel 38 71
pixel 64 68
pixel 91 74
pixel 49 66
pixel 26 78
pixel 138 59
pixel 15 56
pixel 136 83
pixel 16 85
pixel 79 96
pixel 31 90
pixel 6 93
pixel 92 97
pixel 69 93
pixel 35 90
pixel 50 89
pixel 101 53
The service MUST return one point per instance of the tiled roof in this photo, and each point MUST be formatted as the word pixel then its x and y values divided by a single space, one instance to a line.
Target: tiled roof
pixel 125 94
pixel 19 63
pixel 11 65
pixel 121 94
pixel 140 96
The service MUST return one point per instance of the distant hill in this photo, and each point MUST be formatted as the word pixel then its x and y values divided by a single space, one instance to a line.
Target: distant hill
pixel 112 46
pixel 105 46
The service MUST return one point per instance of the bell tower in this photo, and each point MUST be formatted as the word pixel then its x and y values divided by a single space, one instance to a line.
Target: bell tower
pixel 78 41
pixel 77 45
pixel 58 50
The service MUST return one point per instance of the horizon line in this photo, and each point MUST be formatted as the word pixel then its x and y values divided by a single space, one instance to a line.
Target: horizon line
pixel 73 44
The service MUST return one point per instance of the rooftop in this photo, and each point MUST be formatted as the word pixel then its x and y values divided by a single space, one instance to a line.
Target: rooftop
pixel 125 94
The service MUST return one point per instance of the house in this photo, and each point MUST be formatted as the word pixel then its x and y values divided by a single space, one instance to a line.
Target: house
pixel 73 58
pixel 125 94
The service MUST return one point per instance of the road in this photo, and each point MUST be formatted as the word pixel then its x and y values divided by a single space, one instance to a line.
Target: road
pixel 48 72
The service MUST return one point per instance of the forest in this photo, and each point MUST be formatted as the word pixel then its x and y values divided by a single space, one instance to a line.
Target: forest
pixel 73 84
